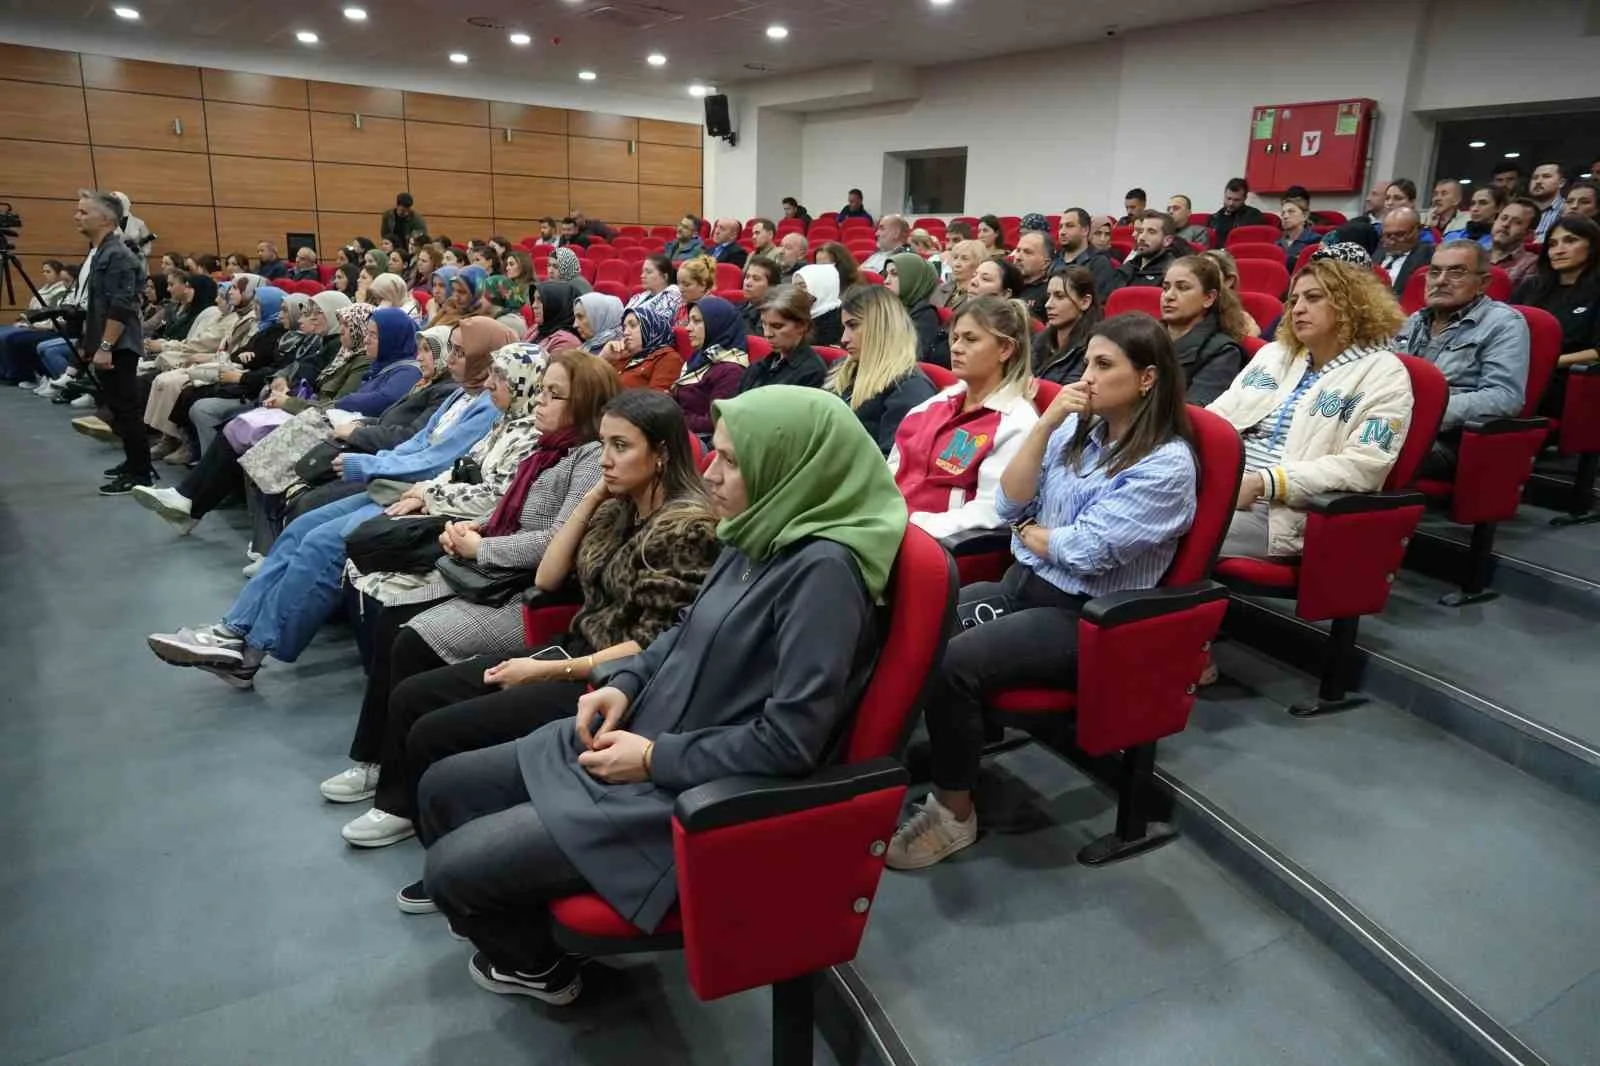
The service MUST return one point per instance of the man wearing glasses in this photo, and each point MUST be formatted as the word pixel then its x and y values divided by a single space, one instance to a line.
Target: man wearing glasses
pixel 1479 344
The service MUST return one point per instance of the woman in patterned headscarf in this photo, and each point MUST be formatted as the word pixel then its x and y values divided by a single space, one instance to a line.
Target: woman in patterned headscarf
pixel 501 302
pixel 644 356
pixel 565 266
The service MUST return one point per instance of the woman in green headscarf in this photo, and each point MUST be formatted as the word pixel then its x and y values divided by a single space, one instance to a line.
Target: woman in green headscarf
pixel 909 277
pixel 502 302
pixel 757 678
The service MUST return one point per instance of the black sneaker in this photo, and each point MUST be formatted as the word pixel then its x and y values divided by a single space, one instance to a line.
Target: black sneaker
pixel 117 471
pixel 559 985
pixel 414 899
pixel 124 484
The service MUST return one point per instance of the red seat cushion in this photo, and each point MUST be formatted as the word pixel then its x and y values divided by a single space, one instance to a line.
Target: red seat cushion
pixel 591 916
pixel 1281 578
pixel 1434 490
pixel 1034 701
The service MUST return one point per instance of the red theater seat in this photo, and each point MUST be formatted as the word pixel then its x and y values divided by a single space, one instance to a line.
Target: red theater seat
pixel 636 232
pixel 1261 307
pixel 1580 435
pixel 776 876
pixel 1146 298
pixel 618 270
pixel 1354 544
pixel 729 276
pixel 612 288
pixel 757 348
pixel 1495 460
pixel 733 296
pixel 1270 277
pixel 1252 235
pixel 680 342
pixel 1256 250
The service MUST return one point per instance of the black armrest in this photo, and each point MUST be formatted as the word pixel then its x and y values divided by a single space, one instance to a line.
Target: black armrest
pixel 568 595
pixel 1338 503
pixel 1136 605
pixel 735 800
pixel 1582 368
pixel 978 542
pixel 1488 427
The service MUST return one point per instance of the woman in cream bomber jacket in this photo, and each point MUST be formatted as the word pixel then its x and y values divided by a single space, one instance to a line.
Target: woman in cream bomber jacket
pixel 1344 436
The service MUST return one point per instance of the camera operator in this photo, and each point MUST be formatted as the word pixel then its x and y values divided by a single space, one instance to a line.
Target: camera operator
pixel 113 335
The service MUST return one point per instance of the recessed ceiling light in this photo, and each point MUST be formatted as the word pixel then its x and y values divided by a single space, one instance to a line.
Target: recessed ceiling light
pixel 1477 144
pixel 356 14
pixel 458 57
pixel 306 37
pixel 1464 181
pixel 521 39
pixel 777 33
pixel 129 13
pixel 940 3
pixel 1513 155
pixel 698 90
pixel 587 75
pixel 656 59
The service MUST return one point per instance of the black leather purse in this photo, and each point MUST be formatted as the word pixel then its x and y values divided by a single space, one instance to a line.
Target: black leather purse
pixel 488 586
pixel 407 545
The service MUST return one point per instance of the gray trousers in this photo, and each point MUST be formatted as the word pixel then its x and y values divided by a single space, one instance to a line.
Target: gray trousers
pixel 207 416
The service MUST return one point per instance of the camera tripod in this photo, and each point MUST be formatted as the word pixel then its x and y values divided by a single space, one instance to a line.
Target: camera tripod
pixel 9 263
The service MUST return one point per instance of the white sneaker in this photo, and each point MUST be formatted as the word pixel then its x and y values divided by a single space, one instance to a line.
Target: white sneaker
pixel 377 829
pixel 46 391
pixel 79 402
pixel 169 503
pixel 358 783
pixel 32 383
pixel 206 646
pixel 932 834
pixel 254 568
pixel 63 381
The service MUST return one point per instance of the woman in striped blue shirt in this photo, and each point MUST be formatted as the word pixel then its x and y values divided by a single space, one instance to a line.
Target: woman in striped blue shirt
pixel 1097 498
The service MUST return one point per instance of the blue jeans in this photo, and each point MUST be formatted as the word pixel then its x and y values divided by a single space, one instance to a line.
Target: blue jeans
pixel 281 608
pixel 55 356
pixel 20 351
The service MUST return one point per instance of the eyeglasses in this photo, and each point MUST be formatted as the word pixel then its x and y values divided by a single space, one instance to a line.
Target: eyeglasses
pixel 1453 274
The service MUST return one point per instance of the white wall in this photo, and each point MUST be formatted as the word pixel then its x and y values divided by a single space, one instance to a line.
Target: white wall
pixel 1168 108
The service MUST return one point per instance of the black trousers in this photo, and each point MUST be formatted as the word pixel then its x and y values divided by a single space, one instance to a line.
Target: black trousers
pixel 378 656
pixel 1035 642
pixel 441 712
pixel 119 388
pixel 217 477
pixel 1440 462
pixel 491 865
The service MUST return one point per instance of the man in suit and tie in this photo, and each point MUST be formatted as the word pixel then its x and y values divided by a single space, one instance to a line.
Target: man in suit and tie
pixel 1403 249
pixel 725 243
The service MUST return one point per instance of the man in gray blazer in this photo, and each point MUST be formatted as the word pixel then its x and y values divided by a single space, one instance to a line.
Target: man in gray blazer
pixel 113 334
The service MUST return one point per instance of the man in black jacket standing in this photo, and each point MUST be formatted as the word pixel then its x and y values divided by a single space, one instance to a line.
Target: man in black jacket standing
pixel 113 334
pixel 1234 211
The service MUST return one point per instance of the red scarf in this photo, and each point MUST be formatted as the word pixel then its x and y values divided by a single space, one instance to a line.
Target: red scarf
pixel 553 447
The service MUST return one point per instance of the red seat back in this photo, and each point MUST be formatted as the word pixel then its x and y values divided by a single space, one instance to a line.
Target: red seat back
pixel 1499 287
pixel 1143 298
pixel 733 296
pixel 612 288
pixel 941 376
pixel 664 233
pixel 619 271
pixel 680 342
pixel 729 276
pixel 1219 454
pixel 945 315
pixel 635 232
pixel 757 348
pixel 872 277
pixel 423 297
pixel 1544 350
pixel 1255 250
pixel 1261 307
pixel 830 354
pixel 1305 256
pixel 1414 298
pixel 1264 276
pixel 1429 393
pixel 1252 235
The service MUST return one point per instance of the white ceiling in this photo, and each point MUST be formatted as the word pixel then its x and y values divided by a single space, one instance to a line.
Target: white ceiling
pixel 712 41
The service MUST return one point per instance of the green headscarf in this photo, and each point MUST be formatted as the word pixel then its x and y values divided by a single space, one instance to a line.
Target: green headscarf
pixel 811 470
pixel 917 278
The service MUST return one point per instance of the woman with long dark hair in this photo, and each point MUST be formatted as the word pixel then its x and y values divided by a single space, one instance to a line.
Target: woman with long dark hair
pixel 1098 496
pixel 1566 283
pixel 1072 311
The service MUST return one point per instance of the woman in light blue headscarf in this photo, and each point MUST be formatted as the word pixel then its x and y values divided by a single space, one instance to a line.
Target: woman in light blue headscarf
pixel 598 320
pixel 444 311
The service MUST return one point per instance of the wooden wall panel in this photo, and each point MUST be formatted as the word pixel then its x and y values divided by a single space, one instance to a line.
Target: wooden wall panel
pixel 379 141
pixel 129 120
pixel 261 132
pixel 444 192
pixel 47 227
pixel 459 228
pixel 661 164
pixel 34 112
pixel 151 177
pixel 356 100
pixel 137 76
pixel 336 229
pixel 517 228
pixel 241 88
pixel 427 107
pixel 185 230
pixel 346 187
pixel 28 168
pixel 436 146
pixel 536 154
pixel 519 197
pixel 277 183
pixel 601 160
pixel 239 229
pixel 612 202
pixel 528 117
pixel 662 205
pixel 40 64
pixel 683 134
pixel 596 124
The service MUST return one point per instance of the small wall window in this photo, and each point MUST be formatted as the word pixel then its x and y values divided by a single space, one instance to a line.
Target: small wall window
pixel 936 181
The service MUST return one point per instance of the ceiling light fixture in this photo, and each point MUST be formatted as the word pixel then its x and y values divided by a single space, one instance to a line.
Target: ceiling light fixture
pixel 697 90
pixel 129 13
pixel 1513 155
pixel 1477 144
pixel 940 3
pixel 587 75
pixel 1464 181
pixel 777 33
pixel 306 37
pixel 458 57
pixel 656 59
pixel 520 39
pixel 356 14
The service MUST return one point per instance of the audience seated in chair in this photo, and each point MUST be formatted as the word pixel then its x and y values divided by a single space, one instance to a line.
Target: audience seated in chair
pixel 1508 240
pixel 697 277
pixel 554 306
pixel 597 320
pixel 786 324
pixel 1203 318
pixel 1234 212
pixel 725 246
pixel 1152 251
pixel 1567 284
pixel 879 377
pixel 644 356
pixel 687 244
pixel 305 265
pixel 793 252
pixel 760 275
pixel 1298 234
pixel 763 238
pixel 821 282
pixel 894 238
pixel 661 292
pixel 962 259
pixel 1072 311
pixel 1034 253
pixel 1196 236
pixel 565 266
pixel 1403 251
pixel 1479 344
pixel 950 450
pixel 812 526
pixel 713 372
pixel 1478 225
pixel 1098 494
pixel 1583 198
pixel 1075 249
pixel 838 256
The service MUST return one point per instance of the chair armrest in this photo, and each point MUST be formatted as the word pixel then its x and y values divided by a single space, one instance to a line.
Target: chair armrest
pixel 569 595
pixel 1584 368
pixel 978 541
pixel 1493 463
pixel 1497 426
pixel 545 614
pixel 1338 503
pixel 736 800
pixel 1136 605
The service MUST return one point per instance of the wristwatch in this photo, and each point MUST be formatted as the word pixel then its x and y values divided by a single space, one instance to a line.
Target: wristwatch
pixel 105 346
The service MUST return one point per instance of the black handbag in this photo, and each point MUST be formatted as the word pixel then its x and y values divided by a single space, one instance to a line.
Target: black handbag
pixel 467 471
pixel 483 585
pixel 407 545
pixel 315 467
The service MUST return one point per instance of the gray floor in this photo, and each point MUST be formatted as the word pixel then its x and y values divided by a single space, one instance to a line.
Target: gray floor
pixel 174 890
pixel 1488 874
pixel 1571 550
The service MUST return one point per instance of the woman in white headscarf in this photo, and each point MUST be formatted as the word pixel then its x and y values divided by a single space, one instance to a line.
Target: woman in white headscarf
pixel 598 319
pixel 821 280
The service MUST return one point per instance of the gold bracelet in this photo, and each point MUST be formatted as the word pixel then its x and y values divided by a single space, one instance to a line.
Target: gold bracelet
pixel 649 752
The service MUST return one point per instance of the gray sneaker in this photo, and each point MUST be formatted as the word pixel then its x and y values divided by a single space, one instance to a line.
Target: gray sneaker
pixel 206 646
pixel 358 783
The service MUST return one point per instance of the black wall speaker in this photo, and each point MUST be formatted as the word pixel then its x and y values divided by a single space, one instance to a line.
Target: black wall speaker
pixel 717 121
